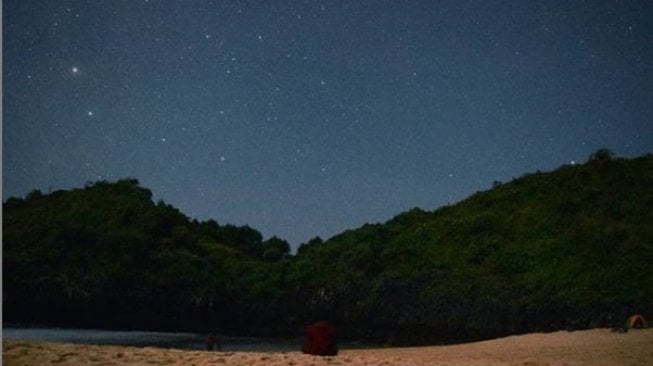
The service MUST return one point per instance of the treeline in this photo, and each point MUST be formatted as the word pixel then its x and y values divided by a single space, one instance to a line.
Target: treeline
pixel 107 256
pixel 567 249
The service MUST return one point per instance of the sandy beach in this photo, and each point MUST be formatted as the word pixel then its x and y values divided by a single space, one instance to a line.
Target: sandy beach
pixel 590 347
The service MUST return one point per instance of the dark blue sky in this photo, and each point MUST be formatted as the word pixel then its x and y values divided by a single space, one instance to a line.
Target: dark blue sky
pixel 306 118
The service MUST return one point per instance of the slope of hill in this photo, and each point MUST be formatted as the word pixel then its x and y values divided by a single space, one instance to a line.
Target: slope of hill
pixel 107 256
pixel 568 248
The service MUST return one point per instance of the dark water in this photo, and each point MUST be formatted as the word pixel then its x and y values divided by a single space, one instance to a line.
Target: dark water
pixel 147 339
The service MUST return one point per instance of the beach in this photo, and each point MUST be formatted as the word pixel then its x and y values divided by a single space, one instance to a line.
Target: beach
pixel 588 347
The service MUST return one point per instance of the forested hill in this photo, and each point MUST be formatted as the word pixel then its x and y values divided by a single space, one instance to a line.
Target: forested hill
pixel 108 256
pixel 569 248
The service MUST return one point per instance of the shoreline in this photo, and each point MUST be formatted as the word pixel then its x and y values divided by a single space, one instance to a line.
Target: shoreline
pixel 588 347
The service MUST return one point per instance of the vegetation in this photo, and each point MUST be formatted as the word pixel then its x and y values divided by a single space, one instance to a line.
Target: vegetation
pixel 569 248
pixel 107 256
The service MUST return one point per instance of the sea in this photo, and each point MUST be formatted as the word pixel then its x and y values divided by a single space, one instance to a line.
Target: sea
pixel 189 341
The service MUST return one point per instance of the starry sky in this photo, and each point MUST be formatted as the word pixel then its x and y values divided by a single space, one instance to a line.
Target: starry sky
pixel 307 118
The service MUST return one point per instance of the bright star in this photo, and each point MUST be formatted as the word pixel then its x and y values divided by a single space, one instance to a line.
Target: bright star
pixel 75 70
pixel 90 113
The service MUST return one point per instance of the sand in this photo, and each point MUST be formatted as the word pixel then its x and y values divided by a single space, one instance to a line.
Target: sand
pixel 590 347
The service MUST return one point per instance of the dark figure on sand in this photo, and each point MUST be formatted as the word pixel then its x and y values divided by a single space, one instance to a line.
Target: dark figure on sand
pixel 213 342
pixel 320 340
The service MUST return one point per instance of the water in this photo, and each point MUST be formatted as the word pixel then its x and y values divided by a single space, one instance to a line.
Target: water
pixel 147 339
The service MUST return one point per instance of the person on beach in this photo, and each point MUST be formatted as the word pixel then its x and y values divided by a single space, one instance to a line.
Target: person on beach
pixel 320 340
pixel 213 342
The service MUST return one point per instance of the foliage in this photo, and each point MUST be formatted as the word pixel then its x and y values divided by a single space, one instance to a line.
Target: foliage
pixel 601 155
pixel 569 248
pixel 106 255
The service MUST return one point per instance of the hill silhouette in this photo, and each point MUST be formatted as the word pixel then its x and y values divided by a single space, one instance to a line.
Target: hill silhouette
pixel 565 249
pixel 108 256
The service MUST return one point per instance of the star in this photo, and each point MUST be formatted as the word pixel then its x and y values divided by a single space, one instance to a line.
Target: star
pixel 271 93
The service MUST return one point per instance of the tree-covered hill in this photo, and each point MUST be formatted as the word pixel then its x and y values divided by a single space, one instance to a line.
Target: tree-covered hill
pixel 107 255
pixel 568 248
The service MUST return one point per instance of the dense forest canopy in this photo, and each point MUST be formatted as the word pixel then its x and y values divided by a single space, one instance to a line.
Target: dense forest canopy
pixel 546 251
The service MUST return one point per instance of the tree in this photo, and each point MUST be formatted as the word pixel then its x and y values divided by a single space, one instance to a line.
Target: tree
pixel 34 195
pixel 310 244
pixel 275 249
pixel 601 155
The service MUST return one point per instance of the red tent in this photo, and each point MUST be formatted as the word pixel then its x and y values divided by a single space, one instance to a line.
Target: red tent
pixel 637 321
pixel 320 340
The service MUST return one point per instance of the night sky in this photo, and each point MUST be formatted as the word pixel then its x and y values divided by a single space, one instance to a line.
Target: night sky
pixel 307 118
